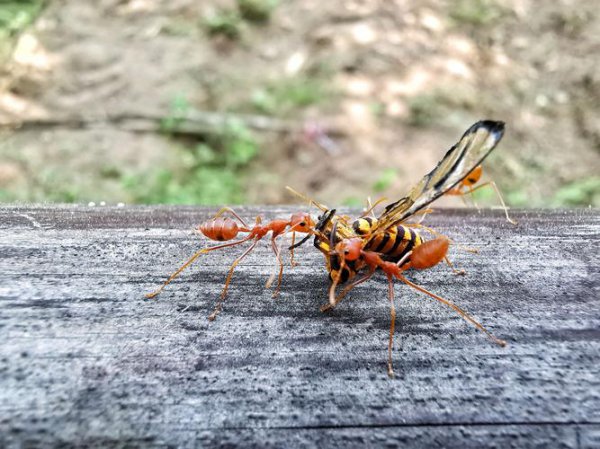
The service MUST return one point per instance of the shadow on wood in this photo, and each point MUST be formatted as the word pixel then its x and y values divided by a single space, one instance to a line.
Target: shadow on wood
pixel 86 360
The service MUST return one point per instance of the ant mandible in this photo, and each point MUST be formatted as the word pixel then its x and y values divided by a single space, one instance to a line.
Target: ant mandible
pixel 221 228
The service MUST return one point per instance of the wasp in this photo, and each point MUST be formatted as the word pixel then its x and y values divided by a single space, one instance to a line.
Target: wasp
pixel 355 251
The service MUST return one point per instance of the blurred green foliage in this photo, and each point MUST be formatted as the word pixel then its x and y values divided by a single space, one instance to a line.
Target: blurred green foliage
pixel 424 110
pixel 178 111
pixel 584 192
pixel 15 16
pixel 209 172
pixel 475 12
pixel 385 180
pixel 289 94
pixel 225 22
pixel 213 170
pixel 441 107
pixel 257 10
pixel 352 201
pixel 229 22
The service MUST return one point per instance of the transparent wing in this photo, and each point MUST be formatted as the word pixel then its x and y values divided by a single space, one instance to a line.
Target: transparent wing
pixel 472 148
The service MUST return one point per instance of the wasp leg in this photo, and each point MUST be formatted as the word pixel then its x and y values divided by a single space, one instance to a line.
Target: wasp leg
pixel 347 290
pixel 454 270
pixel 335 282
pixel 392 324
pixel 457 309
pixel 423 214
pixel 372 206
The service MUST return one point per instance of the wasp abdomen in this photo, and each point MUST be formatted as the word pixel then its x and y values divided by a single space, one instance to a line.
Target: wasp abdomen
pixel 395 242
pixel 363 225
pixel 429 253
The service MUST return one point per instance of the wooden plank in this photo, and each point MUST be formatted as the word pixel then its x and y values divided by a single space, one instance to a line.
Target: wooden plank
pixel 86 360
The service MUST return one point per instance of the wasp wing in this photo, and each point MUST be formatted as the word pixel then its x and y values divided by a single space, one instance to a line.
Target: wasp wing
pixel 472 148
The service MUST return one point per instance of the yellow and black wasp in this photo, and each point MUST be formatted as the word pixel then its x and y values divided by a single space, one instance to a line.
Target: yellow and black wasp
pixel 388 234
pixel 390 244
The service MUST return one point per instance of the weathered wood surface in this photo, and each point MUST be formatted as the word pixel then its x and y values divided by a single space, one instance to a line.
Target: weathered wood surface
pixel 86 360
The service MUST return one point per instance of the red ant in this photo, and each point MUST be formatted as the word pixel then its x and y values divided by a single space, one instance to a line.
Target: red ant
pixel 224 228
pixel 465 187
pixel 423 256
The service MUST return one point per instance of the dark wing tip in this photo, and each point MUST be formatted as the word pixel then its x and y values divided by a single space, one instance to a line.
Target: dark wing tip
pixel 494 127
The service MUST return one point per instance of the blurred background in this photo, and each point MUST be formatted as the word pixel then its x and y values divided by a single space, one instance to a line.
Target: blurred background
pixel 226 102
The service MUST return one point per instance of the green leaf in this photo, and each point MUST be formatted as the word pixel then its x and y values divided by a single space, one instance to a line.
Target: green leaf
pixel 387 177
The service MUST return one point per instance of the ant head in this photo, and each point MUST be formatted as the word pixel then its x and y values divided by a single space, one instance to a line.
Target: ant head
pixel 474 176
pixel 302 222
pixel 349 248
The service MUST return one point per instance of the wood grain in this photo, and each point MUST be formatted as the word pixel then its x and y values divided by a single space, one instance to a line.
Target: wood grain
pixel 85 360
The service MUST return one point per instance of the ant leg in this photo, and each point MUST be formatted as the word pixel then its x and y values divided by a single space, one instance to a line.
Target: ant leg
pixel 293 246
pixel 470 193
pixel 232 212
pixel 219 305
pixel 451 265
pixel 190 261
pixel 222 211
pixel 499 195
pixel 392 324
pixel 457 309
pixel 463 198
pixel 347 290
pixel 277 252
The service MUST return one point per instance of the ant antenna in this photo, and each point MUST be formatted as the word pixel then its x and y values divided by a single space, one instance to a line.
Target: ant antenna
pixel 323 207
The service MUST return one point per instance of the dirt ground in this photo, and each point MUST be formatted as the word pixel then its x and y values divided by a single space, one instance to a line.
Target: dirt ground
pixel 388 86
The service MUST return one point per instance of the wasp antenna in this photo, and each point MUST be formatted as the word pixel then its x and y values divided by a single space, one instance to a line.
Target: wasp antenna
pixel 332 236
pixel 301 242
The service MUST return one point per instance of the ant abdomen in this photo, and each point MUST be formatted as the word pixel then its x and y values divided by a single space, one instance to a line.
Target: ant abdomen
pixel 220 229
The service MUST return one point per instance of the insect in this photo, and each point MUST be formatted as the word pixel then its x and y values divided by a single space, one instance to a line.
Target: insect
pixel 393 246
pixel 424 255
pixel 222 228
pixel 465 187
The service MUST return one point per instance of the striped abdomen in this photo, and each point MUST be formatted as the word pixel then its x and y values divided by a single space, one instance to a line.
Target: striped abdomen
pixel 395 242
